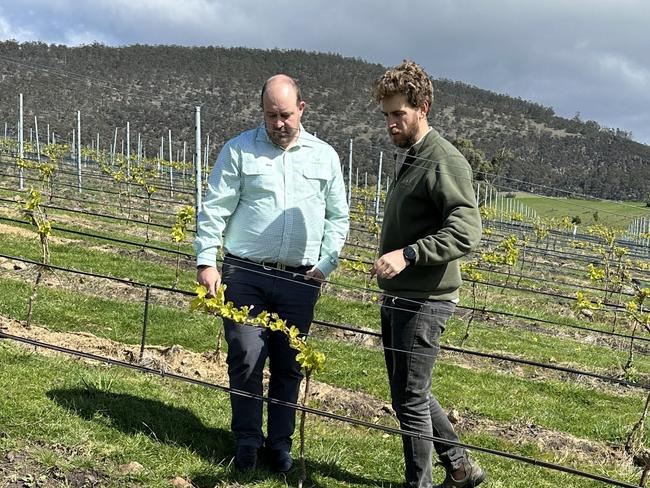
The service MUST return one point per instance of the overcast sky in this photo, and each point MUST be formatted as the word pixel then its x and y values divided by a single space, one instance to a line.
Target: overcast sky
pixel 586 56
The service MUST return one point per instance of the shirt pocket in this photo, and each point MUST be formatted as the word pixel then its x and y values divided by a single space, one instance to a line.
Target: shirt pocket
pixel 258 175
pixel 314 178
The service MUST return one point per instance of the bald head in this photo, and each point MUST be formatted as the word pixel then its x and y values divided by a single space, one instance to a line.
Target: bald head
pixel 283 83
pixel 282 106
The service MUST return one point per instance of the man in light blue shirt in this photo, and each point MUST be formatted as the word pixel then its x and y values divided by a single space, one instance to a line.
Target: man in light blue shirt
pixel 276 204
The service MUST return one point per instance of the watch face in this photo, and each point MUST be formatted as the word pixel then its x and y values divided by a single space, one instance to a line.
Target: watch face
pixel 409 253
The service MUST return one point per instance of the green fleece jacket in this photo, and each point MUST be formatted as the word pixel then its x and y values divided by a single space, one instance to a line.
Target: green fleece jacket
pixel 431 206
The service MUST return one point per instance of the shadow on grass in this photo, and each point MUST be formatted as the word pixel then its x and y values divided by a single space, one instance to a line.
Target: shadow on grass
pixel 181 427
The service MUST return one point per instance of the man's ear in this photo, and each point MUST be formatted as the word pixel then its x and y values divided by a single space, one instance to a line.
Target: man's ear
pixel 424 109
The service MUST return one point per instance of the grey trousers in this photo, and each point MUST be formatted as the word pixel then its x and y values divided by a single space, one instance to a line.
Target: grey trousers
pixel 411 331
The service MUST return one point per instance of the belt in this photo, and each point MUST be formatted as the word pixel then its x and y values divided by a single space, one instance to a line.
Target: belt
pixel 269 266
pixel 280 266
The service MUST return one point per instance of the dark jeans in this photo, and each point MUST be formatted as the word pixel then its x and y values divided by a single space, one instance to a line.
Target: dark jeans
pixel 293 299
pixel 411 331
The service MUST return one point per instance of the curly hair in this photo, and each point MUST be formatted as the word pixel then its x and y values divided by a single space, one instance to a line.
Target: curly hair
pixel 407 78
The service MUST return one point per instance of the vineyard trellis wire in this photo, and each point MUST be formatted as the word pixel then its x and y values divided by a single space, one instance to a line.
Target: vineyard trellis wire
pixel 131 243
pixel 500 357
pixel 363 289
pixel 533 290
pixel 315 411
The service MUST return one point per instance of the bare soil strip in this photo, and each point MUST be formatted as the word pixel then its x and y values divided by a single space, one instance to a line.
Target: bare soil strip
pixel 342 401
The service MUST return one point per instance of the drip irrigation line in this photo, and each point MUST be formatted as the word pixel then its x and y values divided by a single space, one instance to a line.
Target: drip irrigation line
pixel 94 214
pixel 551 322
pixel 58 184
pixel 357 330
pixel 487 355
pixel 97 275
pixel 345 327
pixel 313 411
pixel 527 362
pixel 539 292
pixel 111 239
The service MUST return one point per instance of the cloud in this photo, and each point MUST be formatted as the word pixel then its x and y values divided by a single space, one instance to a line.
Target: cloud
pixel 7 31
pixel 584 55
pixel 630 73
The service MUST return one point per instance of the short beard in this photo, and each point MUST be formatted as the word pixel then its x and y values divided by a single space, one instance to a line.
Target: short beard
pixel 407 139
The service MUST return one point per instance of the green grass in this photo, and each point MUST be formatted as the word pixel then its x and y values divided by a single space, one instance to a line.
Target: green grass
pixel 551 403
pixel 545 348
pixel 69 415
pixel 104 417
pixel 128 265
pixel 116 320
pixel 614 214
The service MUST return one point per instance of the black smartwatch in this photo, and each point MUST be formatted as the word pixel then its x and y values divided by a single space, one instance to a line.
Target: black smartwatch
pixel 409 254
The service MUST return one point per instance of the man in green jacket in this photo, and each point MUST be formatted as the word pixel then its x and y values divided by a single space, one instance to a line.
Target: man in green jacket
pixel 431 220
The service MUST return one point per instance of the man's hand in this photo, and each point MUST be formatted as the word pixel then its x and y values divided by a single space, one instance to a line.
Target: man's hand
pixel 209 277
pixel 389 265
pixel 315 274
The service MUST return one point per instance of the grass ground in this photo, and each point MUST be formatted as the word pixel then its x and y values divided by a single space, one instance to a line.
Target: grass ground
pixel 67 419
pixel 612 214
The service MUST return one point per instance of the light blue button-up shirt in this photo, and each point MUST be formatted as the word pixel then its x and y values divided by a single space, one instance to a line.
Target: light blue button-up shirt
pixel 267 204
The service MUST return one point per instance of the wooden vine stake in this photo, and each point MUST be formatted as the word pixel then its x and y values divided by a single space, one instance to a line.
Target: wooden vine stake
pixel 309 359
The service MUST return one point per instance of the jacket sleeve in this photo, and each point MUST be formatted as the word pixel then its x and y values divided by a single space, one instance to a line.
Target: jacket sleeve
pixel 221 199
pixel 336 220
pixel 449 184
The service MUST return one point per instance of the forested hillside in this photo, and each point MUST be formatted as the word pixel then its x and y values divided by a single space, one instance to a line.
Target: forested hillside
pixel 156 88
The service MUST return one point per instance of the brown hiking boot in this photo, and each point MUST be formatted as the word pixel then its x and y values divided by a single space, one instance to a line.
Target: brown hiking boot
pixel 474 476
